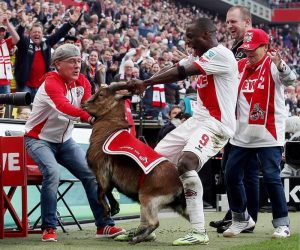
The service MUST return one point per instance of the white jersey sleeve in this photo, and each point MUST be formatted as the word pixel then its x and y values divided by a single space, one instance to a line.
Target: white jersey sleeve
pixel 188 60
pixel 215 62
pixel 286 77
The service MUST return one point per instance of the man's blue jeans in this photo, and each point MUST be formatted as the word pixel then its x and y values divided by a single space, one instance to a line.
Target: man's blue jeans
pixel 251 183
pixel 239 161
pixel 48 156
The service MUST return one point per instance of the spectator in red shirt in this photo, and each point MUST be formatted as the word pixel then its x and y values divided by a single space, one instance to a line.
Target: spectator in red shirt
pixel 34 53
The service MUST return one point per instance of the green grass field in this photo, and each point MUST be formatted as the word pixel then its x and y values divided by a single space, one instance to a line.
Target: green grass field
pixel 171 227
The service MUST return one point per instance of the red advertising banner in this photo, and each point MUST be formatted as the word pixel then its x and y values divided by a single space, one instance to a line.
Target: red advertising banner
pixel 70 3
pixel 286 15
pixel 12 161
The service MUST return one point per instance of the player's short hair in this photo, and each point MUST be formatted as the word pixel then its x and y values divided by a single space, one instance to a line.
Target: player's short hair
pixel 205 25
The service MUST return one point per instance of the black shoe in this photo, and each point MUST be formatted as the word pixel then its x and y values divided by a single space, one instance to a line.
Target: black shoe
pixel 249 230
pixel 219 223
pixel 221 229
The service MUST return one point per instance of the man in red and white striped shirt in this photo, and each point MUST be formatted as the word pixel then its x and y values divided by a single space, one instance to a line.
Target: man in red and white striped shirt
pixel 6 45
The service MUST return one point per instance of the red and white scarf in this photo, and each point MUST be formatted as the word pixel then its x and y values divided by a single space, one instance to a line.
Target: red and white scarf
pixel 159 97
pixel 5 64
pixel 258 112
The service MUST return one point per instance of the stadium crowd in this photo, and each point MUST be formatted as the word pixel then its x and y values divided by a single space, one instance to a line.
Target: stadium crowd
pixel 120 40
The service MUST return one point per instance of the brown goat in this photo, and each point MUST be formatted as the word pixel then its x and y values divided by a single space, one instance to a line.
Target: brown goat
pixel 162 187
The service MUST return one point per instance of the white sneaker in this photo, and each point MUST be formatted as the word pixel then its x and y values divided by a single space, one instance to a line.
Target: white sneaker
pixel 238 226
pixel 281 232
pixel 192 238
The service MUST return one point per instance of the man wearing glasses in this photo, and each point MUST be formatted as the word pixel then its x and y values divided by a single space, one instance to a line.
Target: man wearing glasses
pixel 49 143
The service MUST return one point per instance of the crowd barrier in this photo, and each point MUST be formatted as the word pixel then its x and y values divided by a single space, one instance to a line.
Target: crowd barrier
pixel 13 176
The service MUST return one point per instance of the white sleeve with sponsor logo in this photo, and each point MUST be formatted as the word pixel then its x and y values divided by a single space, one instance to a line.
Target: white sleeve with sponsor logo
pixel 217 61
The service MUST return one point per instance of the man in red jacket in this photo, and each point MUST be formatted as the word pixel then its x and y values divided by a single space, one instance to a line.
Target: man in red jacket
pixel 49 142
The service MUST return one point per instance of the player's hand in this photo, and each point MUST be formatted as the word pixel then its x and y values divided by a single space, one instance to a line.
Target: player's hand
pixel 178 55
pixel 275 57
pixel 5 19
pixel 75 16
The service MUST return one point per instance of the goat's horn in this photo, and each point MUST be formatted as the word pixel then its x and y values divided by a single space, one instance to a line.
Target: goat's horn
pixel 115 86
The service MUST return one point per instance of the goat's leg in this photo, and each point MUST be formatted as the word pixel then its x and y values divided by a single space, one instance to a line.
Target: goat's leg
pixel 143 222
pixel 102 194
pixel 114 205
pixel 179 206
pixel 182 211
pixel 149 220
pixel 102 200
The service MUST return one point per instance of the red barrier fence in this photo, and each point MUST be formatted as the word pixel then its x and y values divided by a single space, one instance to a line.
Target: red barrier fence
pixel 13 176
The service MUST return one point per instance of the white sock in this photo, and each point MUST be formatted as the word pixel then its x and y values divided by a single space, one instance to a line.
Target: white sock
pixel 193 192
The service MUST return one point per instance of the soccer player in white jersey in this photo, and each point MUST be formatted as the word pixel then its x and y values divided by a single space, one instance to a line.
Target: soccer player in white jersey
pixel 260 132
pixel 202 136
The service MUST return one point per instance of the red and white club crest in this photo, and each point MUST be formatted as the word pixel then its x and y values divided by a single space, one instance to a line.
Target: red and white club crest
pixel 248 37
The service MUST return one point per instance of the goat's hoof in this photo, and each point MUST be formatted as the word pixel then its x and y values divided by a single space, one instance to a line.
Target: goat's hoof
pixel 137 239
pixel 134 241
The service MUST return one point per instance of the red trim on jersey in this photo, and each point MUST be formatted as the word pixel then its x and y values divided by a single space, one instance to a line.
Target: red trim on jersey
pixel 207 93
pixel 200 68
pixel 271 126
pixel 36 130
